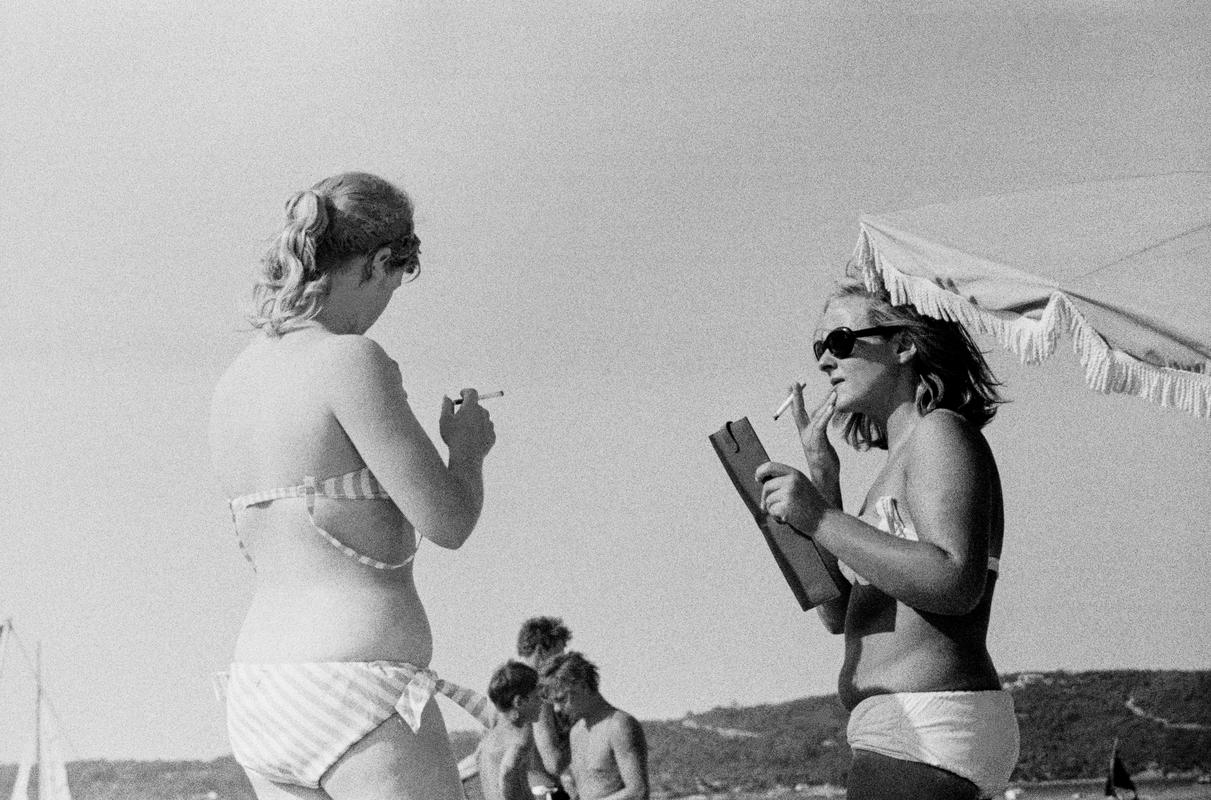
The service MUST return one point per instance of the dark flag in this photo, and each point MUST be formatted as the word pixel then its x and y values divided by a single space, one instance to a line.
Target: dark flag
pixel 1118 780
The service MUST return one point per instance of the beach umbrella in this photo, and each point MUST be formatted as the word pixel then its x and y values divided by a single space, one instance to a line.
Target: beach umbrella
pixel 1122 266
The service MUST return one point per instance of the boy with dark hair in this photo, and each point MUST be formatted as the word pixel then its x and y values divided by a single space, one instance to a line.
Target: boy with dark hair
pixel 506 749
pixel 539 640
pixel 608 753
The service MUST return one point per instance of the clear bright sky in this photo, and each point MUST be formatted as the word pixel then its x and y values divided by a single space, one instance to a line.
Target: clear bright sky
pixel 631 213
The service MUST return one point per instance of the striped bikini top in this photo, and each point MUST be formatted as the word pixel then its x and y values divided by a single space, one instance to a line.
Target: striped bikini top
pixel 891 521
pixel 357 485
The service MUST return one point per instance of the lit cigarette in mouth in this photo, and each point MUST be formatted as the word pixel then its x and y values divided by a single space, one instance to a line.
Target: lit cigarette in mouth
pixel 485 396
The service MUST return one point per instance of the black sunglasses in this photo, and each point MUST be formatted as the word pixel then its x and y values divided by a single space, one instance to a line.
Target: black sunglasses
pixel 840 341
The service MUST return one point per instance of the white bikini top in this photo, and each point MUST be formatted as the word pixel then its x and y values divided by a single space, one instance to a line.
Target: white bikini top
pixel 891 521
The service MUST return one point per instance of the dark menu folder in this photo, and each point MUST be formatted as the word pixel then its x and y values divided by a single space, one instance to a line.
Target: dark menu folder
pixel 811 580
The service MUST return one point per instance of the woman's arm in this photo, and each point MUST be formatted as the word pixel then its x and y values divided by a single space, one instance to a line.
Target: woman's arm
pixel 833 612
pixel 947 492
pixel 824 470
pixel 443 501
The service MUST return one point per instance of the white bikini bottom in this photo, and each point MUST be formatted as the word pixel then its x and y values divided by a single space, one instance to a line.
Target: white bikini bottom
pixel 972 734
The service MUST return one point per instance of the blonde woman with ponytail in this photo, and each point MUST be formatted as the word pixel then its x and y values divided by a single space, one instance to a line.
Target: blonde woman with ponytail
pixel 334 485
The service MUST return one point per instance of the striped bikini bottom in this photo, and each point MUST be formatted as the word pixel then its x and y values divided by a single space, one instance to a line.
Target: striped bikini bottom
pixel 291 722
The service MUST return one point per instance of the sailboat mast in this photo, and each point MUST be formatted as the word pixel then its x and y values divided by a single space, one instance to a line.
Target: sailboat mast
pixel 4 626
pixel 44 756
pixel 38 760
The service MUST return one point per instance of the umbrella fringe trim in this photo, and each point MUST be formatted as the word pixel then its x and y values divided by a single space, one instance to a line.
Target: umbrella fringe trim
pixel 1106 370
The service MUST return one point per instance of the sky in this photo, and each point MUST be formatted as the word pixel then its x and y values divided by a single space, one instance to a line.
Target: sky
pixel 631 215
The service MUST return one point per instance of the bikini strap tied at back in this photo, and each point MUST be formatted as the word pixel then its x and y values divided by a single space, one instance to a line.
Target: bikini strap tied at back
pixel 357 485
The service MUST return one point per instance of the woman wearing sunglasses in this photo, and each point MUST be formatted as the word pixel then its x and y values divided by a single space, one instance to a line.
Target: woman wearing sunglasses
pixel 332 478
pixel 928 718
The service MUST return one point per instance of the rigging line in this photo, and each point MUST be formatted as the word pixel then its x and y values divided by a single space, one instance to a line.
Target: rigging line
pixel 3 643
pixel 62 729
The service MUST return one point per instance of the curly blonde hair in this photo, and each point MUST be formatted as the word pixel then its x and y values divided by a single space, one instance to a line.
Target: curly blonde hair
pixel 345 215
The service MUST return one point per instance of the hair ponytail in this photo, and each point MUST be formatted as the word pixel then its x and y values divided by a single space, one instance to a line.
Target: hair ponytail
pixel 341 216
pixel 291 287
pixel 306 221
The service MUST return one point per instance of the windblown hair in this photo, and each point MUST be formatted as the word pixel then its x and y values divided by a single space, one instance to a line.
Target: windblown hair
pixel 950 369
pixel 542 633
pixel 569 669
pixel 511 680
pixel 346 215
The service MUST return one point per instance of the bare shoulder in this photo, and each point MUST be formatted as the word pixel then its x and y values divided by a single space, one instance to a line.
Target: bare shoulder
pixel 354 350
pixel 625 726
pixel 943 435
pixel 358 363
pixel 951 476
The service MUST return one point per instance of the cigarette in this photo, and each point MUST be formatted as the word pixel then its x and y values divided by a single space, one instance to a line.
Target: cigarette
pixel 486 396
pixel 790 398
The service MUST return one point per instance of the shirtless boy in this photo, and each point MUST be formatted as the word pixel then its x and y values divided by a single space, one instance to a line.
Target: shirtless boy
pixel 609 755
pixel 539 640
pixel 505 751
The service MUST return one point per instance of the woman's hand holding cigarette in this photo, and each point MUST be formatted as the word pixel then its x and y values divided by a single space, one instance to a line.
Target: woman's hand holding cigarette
pixel 486 396
pixel 823 464
pixel 468 432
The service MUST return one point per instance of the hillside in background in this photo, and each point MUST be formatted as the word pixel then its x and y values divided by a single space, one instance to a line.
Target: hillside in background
pixel 1068 721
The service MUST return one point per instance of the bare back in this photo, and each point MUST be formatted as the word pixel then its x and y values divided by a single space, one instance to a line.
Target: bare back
pixel 272 423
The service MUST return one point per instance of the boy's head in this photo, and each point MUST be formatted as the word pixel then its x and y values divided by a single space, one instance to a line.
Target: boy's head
pixel 513 689
pixel 570 682
pixel 540 638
